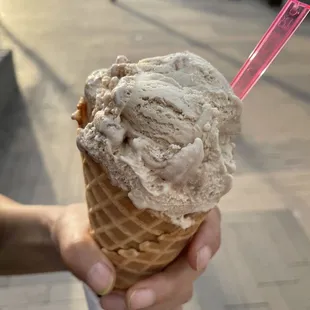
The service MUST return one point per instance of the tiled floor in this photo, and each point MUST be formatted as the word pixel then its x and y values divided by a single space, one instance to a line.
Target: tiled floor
pixel 46 292
pixel 264 261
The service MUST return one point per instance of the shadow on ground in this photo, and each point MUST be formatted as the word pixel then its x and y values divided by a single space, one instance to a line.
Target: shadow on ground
pixel 47 73
pixel 303 96
pixel 23 175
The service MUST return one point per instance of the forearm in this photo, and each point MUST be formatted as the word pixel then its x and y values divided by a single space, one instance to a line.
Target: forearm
pixel 26 244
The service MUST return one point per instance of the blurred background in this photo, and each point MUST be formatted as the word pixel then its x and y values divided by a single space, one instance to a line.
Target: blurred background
pixel 264 262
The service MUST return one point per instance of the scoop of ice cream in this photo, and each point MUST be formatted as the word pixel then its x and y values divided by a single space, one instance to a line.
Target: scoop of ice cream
pixel 163 129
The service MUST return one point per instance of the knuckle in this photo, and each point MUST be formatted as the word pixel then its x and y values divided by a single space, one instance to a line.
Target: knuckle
pixel 70 250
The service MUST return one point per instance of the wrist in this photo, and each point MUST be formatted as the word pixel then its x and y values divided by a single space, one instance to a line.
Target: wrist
pixel 3 228
pixel 5 204
pixel 31 223
pixel 28 229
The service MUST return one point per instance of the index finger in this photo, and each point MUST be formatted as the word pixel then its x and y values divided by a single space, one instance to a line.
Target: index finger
pixel 207 239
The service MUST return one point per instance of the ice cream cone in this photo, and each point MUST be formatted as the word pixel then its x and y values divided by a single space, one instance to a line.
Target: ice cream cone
pixel 156 141
pixel 139 242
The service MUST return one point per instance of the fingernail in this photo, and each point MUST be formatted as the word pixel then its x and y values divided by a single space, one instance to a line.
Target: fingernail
pixel 203 258
pixel 100 278
pixel 141 299
pixel 113 301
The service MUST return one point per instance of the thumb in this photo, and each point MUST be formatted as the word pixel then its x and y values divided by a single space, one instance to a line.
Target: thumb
pixel 82 255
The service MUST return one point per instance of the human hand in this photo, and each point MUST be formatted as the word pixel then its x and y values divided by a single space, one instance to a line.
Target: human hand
pixel 173 287
pixel 50 237
pixel 79 251
pixel 69 227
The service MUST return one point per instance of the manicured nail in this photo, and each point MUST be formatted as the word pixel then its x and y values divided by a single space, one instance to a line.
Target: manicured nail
pixel 113 301
pixel 141 299
pixel 203 258
pixel 100 278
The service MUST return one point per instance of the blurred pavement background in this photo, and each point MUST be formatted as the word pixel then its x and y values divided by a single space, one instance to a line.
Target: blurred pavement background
pixel 264 263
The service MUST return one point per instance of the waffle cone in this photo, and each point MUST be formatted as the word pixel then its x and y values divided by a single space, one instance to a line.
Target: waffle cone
pixel 139 242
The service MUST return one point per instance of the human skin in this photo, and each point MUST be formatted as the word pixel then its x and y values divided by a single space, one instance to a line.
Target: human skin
pixel 56 238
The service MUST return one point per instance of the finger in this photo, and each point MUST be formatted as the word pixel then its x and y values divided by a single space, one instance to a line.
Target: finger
pixel 165 306
pixel 164 287
pixel 172 305
pixel 81 254
pixel 206 241
pixel 117 301
pixel 114 301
